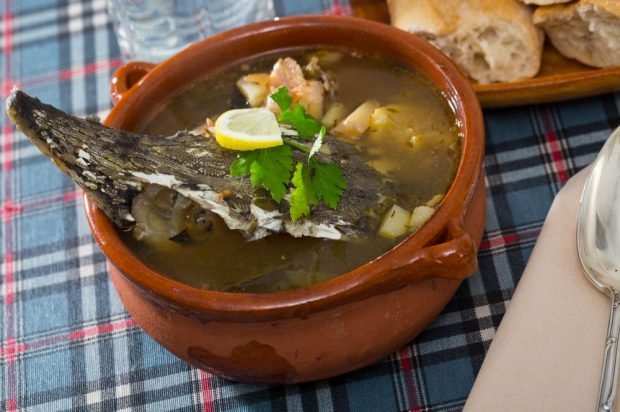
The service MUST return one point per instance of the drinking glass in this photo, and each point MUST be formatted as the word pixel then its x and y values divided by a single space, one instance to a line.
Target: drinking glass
pixel 153 30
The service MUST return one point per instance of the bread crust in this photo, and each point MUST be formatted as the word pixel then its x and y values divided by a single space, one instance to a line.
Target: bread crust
pixel 543 14
pixel 491 40
pixel 544 2
pixel 586 30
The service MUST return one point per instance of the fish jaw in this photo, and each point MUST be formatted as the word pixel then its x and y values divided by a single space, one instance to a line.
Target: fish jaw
pixel 113 166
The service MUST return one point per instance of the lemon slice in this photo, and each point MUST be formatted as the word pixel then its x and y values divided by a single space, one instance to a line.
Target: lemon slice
pixel 248 129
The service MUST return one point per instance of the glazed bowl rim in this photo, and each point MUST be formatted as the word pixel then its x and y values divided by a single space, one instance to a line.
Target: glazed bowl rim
pixel 369 279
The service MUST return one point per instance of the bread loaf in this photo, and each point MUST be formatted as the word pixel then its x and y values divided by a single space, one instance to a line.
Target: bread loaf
pixel 491 40
pixel 544 2
pixel 588 30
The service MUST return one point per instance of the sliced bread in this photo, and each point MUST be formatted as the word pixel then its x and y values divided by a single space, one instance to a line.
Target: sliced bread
pixel 588 30
pixel 491 40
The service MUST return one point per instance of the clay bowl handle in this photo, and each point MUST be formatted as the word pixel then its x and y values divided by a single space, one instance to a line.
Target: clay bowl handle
pixel 126 76
pixel 455 257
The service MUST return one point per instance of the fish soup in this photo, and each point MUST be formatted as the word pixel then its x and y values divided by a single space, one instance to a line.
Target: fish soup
pixel 387 117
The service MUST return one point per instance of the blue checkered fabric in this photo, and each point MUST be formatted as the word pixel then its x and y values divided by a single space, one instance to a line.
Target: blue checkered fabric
pixel 66 342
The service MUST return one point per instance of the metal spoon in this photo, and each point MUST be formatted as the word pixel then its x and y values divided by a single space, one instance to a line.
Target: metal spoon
pixel 598 244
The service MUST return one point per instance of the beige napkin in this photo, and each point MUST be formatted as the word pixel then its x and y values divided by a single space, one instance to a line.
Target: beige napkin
pixel 548 350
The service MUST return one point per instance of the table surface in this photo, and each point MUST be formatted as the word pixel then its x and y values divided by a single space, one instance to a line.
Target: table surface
pixel 66 341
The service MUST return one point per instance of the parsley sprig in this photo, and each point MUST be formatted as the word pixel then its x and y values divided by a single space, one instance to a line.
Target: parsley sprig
pixel 312 181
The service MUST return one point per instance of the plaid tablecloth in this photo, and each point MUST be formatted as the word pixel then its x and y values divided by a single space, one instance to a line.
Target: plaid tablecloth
pixel 66 342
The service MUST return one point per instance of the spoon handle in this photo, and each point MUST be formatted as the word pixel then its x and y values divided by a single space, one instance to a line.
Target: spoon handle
pixel 607 388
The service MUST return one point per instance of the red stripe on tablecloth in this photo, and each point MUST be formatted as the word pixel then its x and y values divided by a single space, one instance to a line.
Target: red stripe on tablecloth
pixel 11 405
pixel 9 270
pixel 554 146
pixel 65 197
pixel 10 349
pixel 7 48
pixel 66 74
pixel 206 391
pixel 9 281
pixel 101 329
pixel 7 84
pixel 559 163
pixel 88 69
pixel 23 347
pixel 338 9
pixel 8 209
pixel 406 366
pixel 71 196
pixel 501 240
pixel 7 146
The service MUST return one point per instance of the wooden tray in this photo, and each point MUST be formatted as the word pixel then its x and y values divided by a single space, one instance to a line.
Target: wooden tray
pixel 559 78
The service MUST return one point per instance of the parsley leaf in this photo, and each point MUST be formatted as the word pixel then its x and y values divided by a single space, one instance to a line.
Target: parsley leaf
pixel 270 168
pixel 328 183
pixel 313 182
pixel 302 198
pixel 306 125
pixel 282 98
pixel 241 165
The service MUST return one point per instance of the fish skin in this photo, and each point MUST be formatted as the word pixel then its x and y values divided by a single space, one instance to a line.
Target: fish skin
pixel 112 166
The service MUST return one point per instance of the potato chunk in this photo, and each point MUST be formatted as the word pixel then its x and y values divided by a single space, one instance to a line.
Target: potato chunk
pixel 356 123
pixel 393 121
pixel 419 216
pixel 335 114
pixel 394 222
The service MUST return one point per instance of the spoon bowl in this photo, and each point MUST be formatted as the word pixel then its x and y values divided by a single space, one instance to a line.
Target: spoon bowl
pixel 598 245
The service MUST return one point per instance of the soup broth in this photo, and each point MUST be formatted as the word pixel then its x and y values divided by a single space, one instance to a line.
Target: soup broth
pixel 414 142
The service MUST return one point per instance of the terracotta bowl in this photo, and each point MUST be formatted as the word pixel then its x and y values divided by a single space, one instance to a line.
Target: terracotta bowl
pixel 331 327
